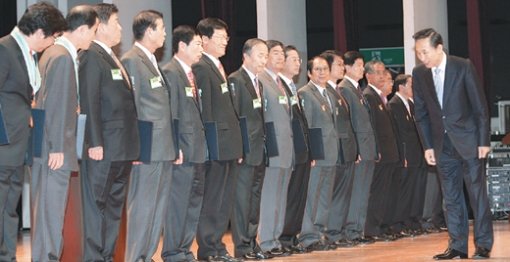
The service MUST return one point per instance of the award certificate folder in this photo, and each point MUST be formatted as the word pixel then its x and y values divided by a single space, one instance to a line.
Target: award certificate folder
pixel 211 135
pixel 271 142
pixel 316 143
pixel 145 132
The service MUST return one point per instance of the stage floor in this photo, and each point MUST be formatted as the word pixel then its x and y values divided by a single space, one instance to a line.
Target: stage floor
pixel 420 248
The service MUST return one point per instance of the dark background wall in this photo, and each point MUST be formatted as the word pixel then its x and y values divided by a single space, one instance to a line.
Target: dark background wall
pixel 370 23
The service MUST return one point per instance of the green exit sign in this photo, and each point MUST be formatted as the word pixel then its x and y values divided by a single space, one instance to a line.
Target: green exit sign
pixel 390 56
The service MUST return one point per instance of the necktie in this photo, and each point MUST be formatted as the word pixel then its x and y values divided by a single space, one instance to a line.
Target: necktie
pixel 155 63
pixel 293 88
pixel 438 83
pixel 383 98
pixel 191 79
pixel 122 70
pixel 325 95
pixel 256 86
pixel 222 71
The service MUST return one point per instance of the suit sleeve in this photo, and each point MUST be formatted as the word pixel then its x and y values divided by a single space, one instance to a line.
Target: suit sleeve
pixel 131 67
pixel 420 111
pixel 90 96
pixel 478 102
pixel 5 64
pixel 174 88
pixel 58 104
pixel 204 83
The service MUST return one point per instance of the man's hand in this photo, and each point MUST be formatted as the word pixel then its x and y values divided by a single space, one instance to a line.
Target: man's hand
pixel 179 160
pixel 430 157
pixel 96 153
pixel 483 151
pixel 55 160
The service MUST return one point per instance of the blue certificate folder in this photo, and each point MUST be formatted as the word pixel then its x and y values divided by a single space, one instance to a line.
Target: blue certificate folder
pixel 271 142
pixel 316 143
pixel 211 135
pixel 4 137
pixel 38 116
pixel 244 134
pixel 145 132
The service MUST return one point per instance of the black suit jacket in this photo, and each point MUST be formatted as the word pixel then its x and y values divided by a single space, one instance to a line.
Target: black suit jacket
pixel 109 105
pixel 464 116
pixel 15 98
pixel 217 107
pixel 407 135
pixel 186 108
pixel 344 129
pixel 383 127
pixel 301 147
pixel 243 95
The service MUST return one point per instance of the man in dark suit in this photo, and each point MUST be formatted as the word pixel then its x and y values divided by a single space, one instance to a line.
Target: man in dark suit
pixel 187 188
pixel 367 153
pixel 149 183
pixel 249 103
pixel 383 190
pixel 413 176
pixel 111 137
pixel 58 98
pixel 221 170
pixel 453 120
pixel 347 155
pixel 19 78
pixel 298 184
pixel 277 111
pixel 320 109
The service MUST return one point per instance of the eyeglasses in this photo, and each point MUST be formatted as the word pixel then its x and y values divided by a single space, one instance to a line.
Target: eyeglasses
pixel 321 69
pixel 222 37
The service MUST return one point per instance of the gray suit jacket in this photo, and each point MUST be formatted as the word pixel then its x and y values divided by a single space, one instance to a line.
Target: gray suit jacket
pixel 152 104
pixel 186 109
pixel 319 115
pixel 58 98
pixel 280 114
pixel 15 93
pixel 360 118
pixel 243 96
pixel 109 105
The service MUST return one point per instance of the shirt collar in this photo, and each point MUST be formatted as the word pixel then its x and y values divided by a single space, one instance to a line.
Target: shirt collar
pixel 379 92
pixel 104 46
pixel 145 50
pixel 331 83
pixel 442 65
pixel 272 74
pixel 63 41
pixel 285 79
pixel 20 39
pixel 406 102
pixel 186 67
pixel 355 83
pixel 215 60
pixel 320 88
pixel 250 74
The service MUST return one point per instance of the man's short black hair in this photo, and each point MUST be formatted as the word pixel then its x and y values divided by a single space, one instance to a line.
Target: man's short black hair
pixel 434 37
pixel 207 25
pixel 104 11
pixel 81 15
pixel 350 57
pixel 42 16
pixel 144 20
pixel 182 33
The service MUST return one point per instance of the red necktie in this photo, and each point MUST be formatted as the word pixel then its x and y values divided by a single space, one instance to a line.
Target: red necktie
pixel 191 79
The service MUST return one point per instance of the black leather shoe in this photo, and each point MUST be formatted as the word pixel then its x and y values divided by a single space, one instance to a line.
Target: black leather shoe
pixel 482 253
pixel 450 253
pixel 344 243
pixel 257 255
pixel 317 246
pixel 224 258
pixel 296 249
pixel 278 252
pixel 364 240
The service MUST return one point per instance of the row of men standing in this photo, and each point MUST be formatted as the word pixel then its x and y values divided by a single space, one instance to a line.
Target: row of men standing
pixel 259 154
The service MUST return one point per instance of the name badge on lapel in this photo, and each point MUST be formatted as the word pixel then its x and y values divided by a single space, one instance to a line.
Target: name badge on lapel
pixel 340 102
pixel 156 82
pixel 293 100
pixel 116 74
pixel 224 88
pixel 282 100
pixel 257 103
pixel 323 107
pixel 381 107
pixel 189 91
